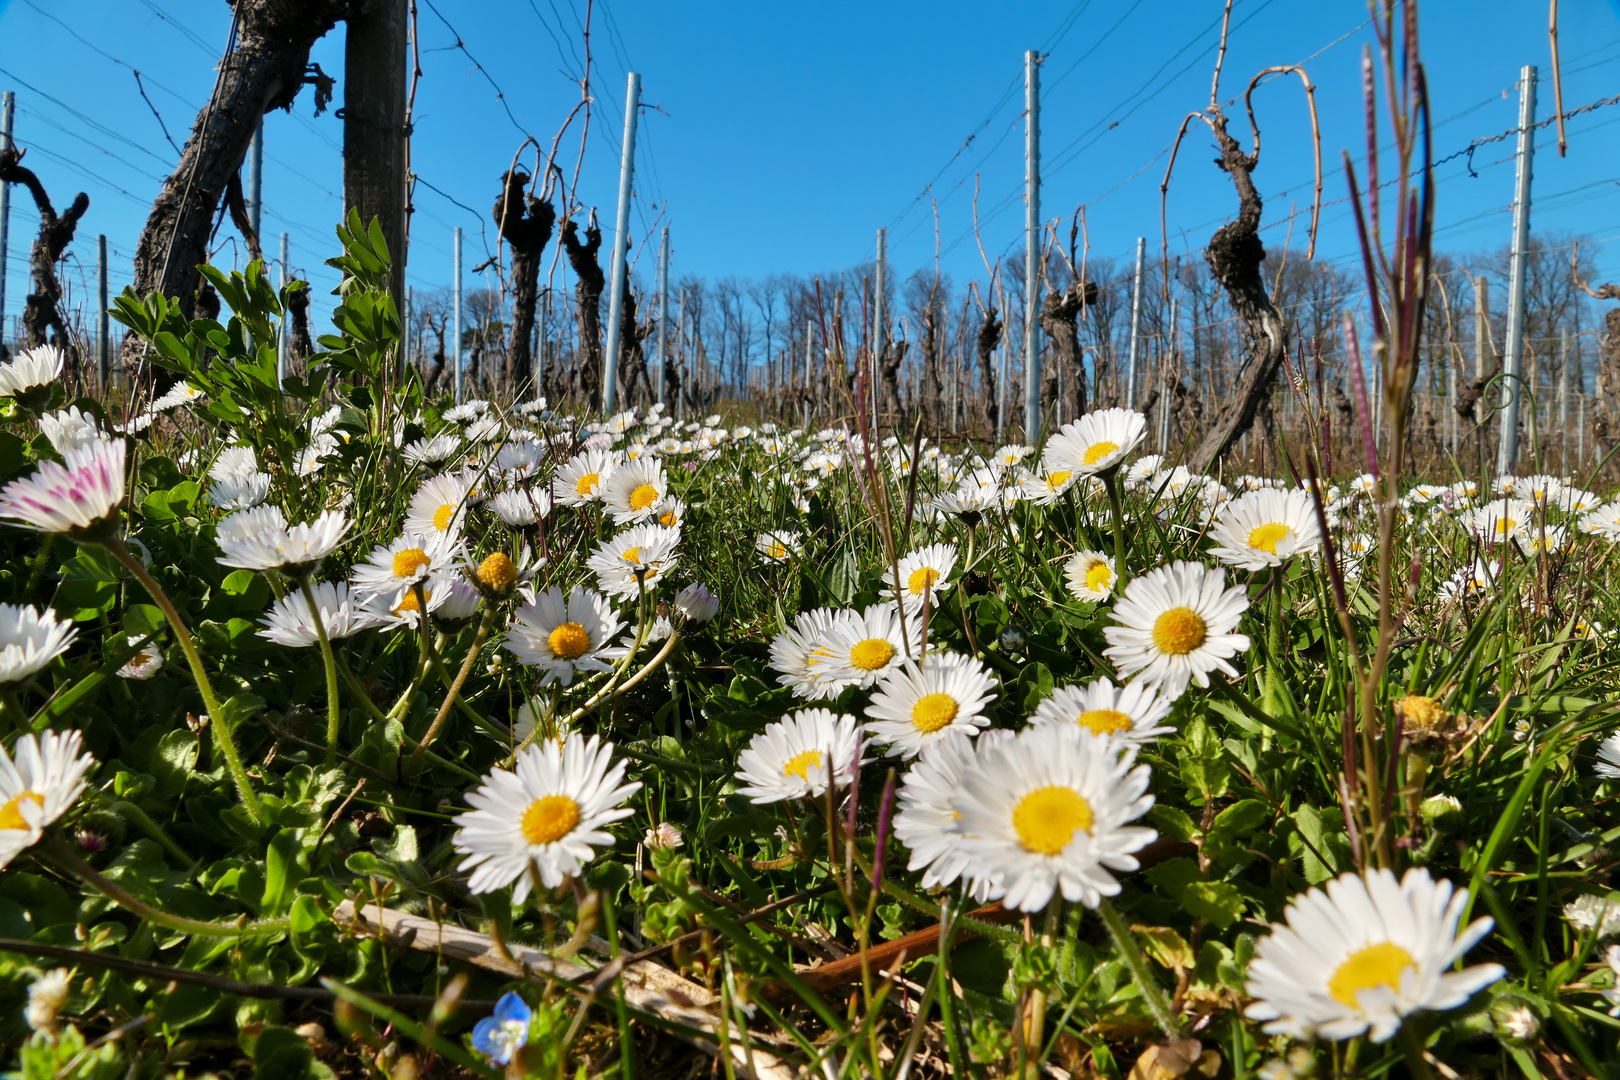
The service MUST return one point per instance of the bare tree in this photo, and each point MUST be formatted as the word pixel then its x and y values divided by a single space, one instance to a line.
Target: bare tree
pixel 42 308
pixel 582 257
pixel 525 222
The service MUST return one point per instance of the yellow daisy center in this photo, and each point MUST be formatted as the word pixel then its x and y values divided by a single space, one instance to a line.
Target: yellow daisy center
pixel 1099 450
pixel 1505 525
pixel 668 519
pixel 549 819
pixel 11 817
pixel 1098 576
pixel 922 580
pixel 643 497
pixel 871 654
pixel 1058 479
pixel 631 555
pixel 1421 713
pixel 1268 536
pixel 933 711
pixel 409 603
pixel 1104 721
pixel 1364 969
pixel 801 763
pixel 776 551
pixel 408 561
pixel 442 516
pixel 1179 631
pixel 1047 818
pixel 569 641
pixel 497 572
pixel 587 484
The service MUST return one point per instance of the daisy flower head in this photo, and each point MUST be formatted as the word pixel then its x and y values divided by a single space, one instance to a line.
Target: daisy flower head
pixel 1598 914
pixel 540 823
pixel 466 412
pixel 1541 490
pixel 78 496
pixel 1091 576
pixel 1010 456
pixel 70 429
pixel 497 576
pixel 144 664
pixel 39 782
pixel 290 621
pixel 1364 955
pixel 395 568
pixel 779 546
pixel 697 604
pixel 431 451
pixel 1048 811
pixel 1608 753
pixel 1095 443
pixel 439 507
pixel 563 635
pixel 918 705
pixel 32 376
pixel 1177 624
pixel 796 654
pixel 1047 488
pixel 1502 520
pixel 240 492
pixel 581 478
pixel 923 575
pixel 638 558
pixel 521 506
pixel 635 489
pixel 924 820
pixel 669 512
pixel 30 639
pixel 861 649
pixel 261 539
pixel 1131 712
pixel 1265 527
pixel 798 756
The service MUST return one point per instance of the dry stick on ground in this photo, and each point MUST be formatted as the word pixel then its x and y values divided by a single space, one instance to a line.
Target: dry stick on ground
pixel 41 310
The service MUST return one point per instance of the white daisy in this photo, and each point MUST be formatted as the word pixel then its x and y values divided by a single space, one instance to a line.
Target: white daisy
pixel 1047 811
pixel 1595 913
pixel 522 506
pixel 1096 442
pixel 697 604
pixel 31 369
pixel 1502 520
pixel 542 822
pixel 290 622
pixel 917 705
pixel 798 756
pixel 580 480
pixel 439 507
pixel 669 512
pixel 39 782
pixel 925 822
pixel 144 664
pixel 638 558
pixel 1608 753
pixel 1130 712
pixel 563 635
pixel 1091 576
pixel 240 492
pixel 778 546
pixel 1363 955
pixel 393 569
pixel 430 451
pixel 70 429
pixel 234 461
pixel 30 639
pixel 261 539
pixel 793 651
pixel 923 576
pixel 1177 624
pixel 78 496
pixel 634 490
pixel 860 650
pixel 1264 528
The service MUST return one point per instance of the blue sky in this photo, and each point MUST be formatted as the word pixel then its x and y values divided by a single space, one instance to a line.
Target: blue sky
pixel 784 136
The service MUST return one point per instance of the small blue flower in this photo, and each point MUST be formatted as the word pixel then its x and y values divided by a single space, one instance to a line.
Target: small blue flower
pixel 503 1035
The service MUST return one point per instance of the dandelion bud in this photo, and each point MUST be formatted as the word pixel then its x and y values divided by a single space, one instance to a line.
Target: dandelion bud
pixel 697 603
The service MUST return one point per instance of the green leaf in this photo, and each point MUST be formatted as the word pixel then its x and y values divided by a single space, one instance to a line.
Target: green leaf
pixel 1233 825
pixel 1173 822
pixel 280 867
pixel 1202 760
pixel 172 762
pixel 280 1053
pixel 1218 902
pixel 1313 828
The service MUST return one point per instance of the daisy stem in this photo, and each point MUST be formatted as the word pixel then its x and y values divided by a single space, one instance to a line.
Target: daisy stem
pixel 56 850
pixel 484 626
pixel 1117 506
pixel 610 690
pixel 1412 1046
pixel 1152 992
pixel 222 730
pixel 14 709
pixel 334 714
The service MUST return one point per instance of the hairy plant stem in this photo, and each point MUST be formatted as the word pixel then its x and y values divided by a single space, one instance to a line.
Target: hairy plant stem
pixel 1152 992
pixel 334 715
pixel 359 694
pixel 610 690
pixel 222 731
pixel 134 813
pixel 484 626
pixel 56 850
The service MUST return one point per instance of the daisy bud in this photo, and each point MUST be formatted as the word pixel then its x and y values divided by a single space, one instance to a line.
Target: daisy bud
pixel 663 837
pixel 1444 813
pixel 496 575
pixel 696 603
pixel 1515 1021
pixel 46 996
